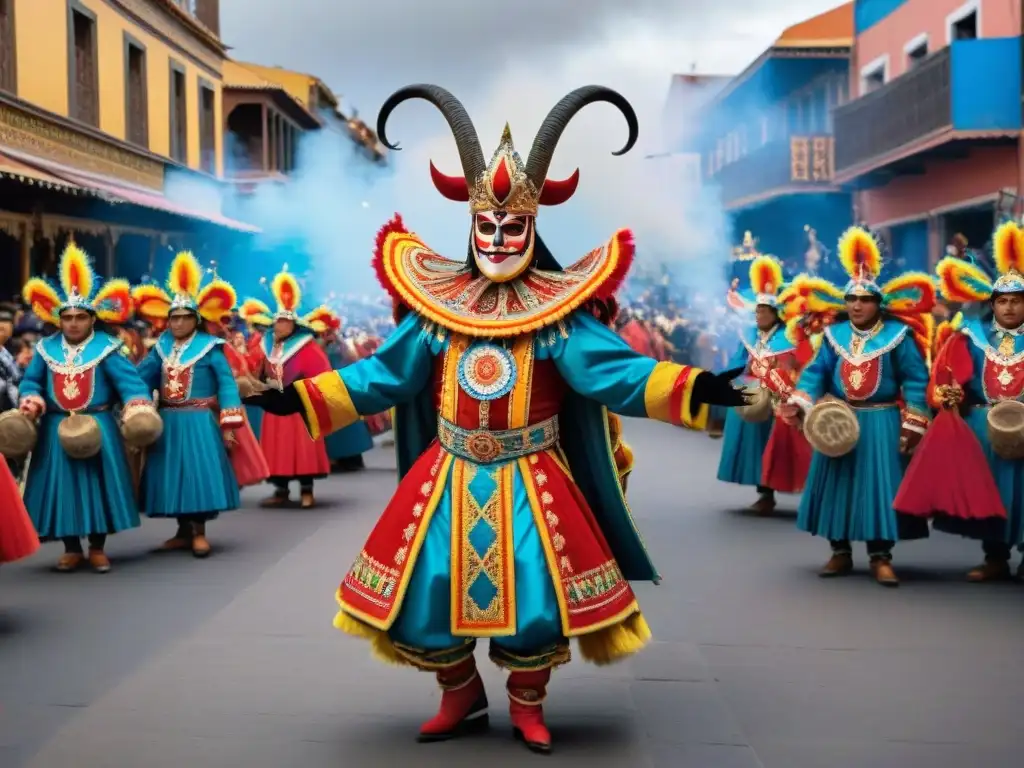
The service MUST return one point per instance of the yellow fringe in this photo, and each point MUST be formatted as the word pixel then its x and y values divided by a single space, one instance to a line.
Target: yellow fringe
pixel 616 642
pixel 380 644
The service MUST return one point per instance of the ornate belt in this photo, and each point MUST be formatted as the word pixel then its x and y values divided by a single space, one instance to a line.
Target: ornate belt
pixel 485 446
pixel 861 405
pixel 199 403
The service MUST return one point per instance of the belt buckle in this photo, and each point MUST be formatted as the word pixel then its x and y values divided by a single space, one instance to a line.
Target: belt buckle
pixel 483 446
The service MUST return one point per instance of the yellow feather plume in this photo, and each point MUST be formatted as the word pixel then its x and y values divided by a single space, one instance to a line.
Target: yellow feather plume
pixel 961 282
pixel 114 302
pixel 910 293
pixel 76 275
pixel 255 312
pixel 43 299
pixel 216 300
pixel 151 302
pixel 859 254
pixel 765 275
pixel 1008 248
pixel 287 292
pixel 186 275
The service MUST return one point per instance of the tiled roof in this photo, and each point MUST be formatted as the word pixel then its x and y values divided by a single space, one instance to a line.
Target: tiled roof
pixel 832 29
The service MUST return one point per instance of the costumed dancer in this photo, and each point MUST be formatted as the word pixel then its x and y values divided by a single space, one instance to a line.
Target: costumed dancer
pixel 188 474
pixel 290 352
pixel 980 373
pixel 247 457
pixel 765 347
pixel 509 522
pixel 345 448
pixel 866 361
pixel 254 313
pixel 79 483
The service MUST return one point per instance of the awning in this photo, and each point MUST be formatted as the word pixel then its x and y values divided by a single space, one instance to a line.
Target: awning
pixel 55 176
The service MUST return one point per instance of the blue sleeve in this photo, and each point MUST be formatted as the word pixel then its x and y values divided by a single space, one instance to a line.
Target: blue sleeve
pixel 227 390
pixel 125 378
pixel 739 358
pixel 598 364
pixel 817 376
pixel 912 374
pixel 33 383
pixel 151 369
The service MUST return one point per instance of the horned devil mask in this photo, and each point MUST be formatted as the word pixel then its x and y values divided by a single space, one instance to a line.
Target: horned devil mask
pixel 504 196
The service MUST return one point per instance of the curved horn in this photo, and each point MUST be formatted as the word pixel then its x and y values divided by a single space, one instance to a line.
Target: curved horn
pixel 468 143
pixel 561 114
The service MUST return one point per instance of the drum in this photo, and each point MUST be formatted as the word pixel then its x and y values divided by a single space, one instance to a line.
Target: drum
pixel 141 425
pixel 17 434
pixel 760 409
pixel 80 436
pixel 1006 429
pixel 831 428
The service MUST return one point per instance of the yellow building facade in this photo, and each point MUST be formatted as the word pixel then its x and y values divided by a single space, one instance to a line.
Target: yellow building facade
pixel 64 48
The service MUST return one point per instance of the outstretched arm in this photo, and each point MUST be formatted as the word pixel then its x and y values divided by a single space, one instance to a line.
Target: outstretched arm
pixel 598 364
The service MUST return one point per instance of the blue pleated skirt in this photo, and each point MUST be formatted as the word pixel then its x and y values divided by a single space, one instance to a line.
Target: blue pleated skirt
pixel 354 440
pixel 255 419
pixel 743 445
pixel 851 498
pixel 1009 477
pixel 424 620
pixel 73 497
pixel 188 470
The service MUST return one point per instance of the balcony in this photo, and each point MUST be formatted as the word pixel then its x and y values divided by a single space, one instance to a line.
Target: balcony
pixel 795 164
pixel 971 87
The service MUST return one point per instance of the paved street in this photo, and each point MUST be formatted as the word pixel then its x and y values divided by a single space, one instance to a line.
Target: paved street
pixel 233 662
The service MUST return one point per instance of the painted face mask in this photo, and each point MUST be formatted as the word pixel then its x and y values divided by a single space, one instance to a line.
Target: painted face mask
pixel 505 194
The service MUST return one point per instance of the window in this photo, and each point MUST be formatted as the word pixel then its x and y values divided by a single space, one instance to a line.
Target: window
pixel 873 76
pixel 8 76
pixel 136 97
pixel 207 129
pixel 179 115
pixel 84 66
pixel 917 51
pixel 963 24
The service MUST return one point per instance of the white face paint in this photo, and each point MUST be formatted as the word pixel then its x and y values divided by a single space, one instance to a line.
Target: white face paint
pixel 502 244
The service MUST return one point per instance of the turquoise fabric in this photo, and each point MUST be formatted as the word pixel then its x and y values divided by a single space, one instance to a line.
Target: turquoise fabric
pixel 424 621
pixel 71 497
pixel 851 497
pixel 743 445
pixel 350 441
pixel 191 447
pixel 255 414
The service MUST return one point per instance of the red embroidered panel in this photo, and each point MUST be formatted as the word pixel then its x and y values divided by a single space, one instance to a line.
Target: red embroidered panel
pixel 1003 382
pixel 177 384
pixel 73 392
pixel 860 381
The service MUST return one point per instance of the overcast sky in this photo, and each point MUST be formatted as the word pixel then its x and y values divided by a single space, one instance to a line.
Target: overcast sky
pixel 513 63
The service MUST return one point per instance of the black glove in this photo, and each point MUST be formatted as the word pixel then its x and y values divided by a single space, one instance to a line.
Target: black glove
pixel 717 389
pixel 278 402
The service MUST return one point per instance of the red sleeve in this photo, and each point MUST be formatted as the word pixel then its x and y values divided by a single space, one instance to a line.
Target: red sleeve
pixel 314 361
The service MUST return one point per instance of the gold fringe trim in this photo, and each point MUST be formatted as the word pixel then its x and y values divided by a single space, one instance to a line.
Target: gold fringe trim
pixel 380 644
pixel 616 642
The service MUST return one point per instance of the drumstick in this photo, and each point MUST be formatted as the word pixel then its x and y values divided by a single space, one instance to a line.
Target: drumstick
pixel 24 474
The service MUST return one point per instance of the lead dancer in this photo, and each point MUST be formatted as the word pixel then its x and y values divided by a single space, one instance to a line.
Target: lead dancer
pixel 509 522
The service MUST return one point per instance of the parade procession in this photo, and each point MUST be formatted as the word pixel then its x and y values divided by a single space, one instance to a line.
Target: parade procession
pixel 303 465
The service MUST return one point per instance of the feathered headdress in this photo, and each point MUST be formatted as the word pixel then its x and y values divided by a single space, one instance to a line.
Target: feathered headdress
pixel 185 291
pixel 111 303
pixel 287 292
pixel 766 281
pixel 323 319
pixel 255 312
pixel 962 282
pixel 908 297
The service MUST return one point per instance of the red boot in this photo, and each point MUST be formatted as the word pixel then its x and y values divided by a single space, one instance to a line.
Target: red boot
pixel 463 704
pixel 526 691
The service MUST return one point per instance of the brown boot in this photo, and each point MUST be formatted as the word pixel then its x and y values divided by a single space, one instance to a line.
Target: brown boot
pixel 277 500
pixel 840 564
pixel 990 570
pixel 526 694
pixel 98 561
pixel 463 704
pixel 175 544
pixel 881 569
pixel 764 506
pixel 308 502
pixel 200 544
pixel 69 562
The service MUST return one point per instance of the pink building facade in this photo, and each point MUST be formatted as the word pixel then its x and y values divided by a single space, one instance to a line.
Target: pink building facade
pixel 931 140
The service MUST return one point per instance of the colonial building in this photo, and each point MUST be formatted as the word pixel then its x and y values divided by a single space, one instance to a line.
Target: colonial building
pixel 102 103
pixel 766 142
pixel 931 139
